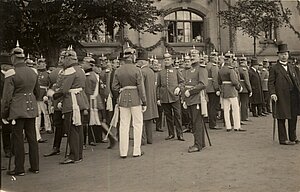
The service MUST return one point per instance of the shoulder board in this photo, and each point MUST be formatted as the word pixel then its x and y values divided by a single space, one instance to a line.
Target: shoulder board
pixel 70 71
pixel 230 67
pixel 107 70
pixel 35 70
pixel 8 73
pixel 214 64
pixel 87 74
pixel 204 66
pixel 264 69
pixel 244 68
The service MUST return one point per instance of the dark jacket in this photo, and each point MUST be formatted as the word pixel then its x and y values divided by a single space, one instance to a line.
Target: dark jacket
pixel 257 93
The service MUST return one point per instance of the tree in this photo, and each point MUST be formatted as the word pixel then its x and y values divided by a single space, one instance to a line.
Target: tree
pixel 46 26
pixel 253 17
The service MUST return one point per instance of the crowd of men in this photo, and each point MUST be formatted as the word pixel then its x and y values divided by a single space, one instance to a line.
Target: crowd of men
pixel 84 100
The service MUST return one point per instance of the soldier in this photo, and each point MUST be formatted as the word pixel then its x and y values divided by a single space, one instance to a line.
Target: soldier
pixel 20 91
pixel 230 86
pixel 196 80
pixel 169 85
pixel 128 81
pixel 256 100
pixel 94 119
pixel 44 83
pixel 151 112
pixel 74 104
pixel 56 77
pixel 213 90
pixel 176 63
pixel 247 90
pixel 158 121
pixel 264 74
pixel 284 89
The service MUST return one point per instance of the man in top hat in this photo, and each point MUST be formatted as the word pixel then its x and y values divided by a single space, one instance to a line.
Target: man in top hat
pixel 284 90
pixel 128 81
pixel 230 87
pixel 19 106
pixel 247 90
pixel 151 112
pixel 213 90
pixel 44 82
pixel 169 85
pixel 256 100
pixel 264 74
pixel 74 103
pixel 196 80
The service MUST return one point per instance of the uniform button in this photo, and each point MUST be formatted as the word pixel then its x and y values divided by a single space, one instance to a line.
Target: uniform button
pixel 29 94
pixel 30 101
pixel 27 101
pixel 32 109
pixel 27 109
pixel 25 94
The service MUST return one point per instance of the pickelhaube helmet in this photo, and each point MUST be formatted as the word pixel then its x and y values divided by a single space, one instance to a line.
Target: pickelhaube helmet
pixel 194 50
pixel 167 54
pixel 213 53
pixel 228 55
pixel 103 57
pixel 41 63
pixel 128 51
pixel 70 53
pixel 18 52
pixel 243 58
pixel 187 57
pixel 29 62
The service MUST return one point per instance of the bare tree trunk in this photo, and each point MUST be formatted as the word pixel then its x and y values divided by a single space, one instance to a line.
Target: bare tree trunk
pixel 254 46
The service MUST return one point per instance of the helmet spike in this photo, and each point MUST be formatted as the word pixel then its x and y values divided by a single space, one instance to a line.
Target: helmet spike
pixel 28 56
pixel 17 45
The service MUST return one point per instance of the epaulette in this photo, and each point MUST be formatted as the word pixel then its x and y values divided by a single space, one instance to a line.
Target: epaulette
pixel 263 69
pixel 87 74
pixel 230 67
pixel 8 73
pixel 35 70
pixel 214 64
pixel 69 71
pixel 244 68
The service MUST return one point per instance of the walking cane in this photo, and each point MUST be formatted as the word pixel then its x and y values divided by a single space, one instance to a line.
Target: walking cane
pixel 206 132
pixel 274 118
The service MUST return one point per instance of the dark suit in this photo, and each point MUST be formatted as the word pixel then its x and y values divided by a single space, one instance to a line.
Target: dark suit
pixel 257 98
pixel 285 84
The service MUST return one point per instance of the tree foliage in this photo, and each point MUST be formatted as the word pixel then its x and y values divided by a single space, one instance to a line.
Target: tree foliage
pixel 253 17
pixel 46 26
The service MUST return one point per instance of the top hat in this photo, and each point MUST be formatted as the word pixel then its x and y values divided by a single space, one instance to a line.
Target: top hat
pixel 282 48
pixel 142 55
pixel 18 52
pixel 254 61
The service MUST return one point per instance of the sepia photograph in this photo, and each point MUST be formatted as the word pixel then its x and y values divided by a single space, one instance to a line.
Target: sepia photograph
pixel 150 95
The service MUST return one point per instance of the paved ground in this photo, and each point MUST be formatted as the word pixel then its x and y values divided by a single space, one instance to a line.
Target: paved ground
pixel 237 162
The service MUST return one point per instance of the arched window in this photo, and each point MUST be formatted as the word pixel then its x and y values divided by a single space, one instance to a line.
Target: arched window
pixel 184 26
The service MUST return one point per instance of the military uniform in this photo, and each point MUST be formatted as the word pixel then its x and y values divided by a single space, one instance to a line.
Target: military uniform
pixel 128 81
pixel 168 80
pixel 196 80
pixel 213 98
pixel 229 83
pixel 244 95
pixel 19 104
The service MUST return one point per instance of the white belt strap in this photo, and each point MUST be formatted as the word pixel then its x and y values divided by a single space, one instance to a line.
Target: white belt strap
pixel 76 110
pixel 226 82
pixel 94 116
pixel 128 88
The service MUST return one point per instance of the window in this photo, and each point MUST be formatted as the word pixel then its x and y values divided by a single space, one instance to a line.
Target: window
pixel 103 33
pixel 270 32
pixel 184 26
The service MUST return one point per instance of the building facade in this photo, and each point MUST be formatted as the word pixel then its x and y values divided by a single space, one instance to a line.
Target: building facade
pixel 196 23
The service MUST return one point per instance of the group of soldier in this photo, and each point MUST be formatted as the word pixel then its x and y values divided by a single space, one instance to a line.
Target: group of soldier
pixel 81 99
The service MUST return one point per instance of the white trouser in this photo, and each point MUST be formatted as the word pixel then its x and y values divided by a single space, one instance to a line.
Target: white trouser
pixel 42 108
pixel 137 123
pixel 234 104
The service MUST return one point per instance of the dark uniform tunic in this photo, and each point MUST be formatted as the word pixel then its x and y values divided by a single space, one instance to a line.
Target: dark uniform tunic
pixel 168 80
pixel 257 98
pixel 244 95
pixel 19 103
pixel 196 79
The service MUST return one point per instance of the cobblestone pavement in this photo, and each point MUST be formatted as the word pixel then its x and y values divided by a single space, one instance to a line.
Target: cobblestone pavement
pixel 237 162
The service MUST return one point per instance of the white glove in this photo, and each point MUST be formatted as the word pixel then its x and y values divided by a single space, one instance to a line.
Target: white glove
pixel 59 105
pixel 45 98
pixel 158 102
pixel 218 93
pixel 144 108
pixel 50 93
pixel 177 91
pixel 184 105
pixel 274 97
pixel 241 89
pixel 250 94
pixel 5 121
pixel 187 93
